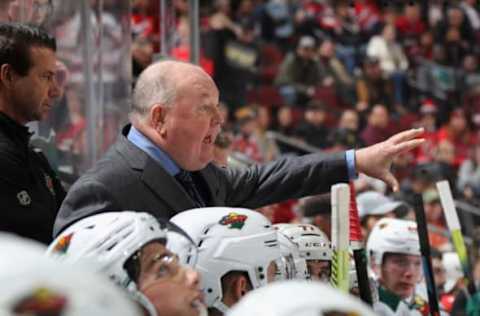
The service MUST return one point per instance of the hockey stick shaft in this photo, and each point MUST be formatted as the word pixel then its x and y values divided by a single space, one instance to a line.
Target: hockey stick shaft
pixel 453 224
pixel 358 246
pixel 340 199
pixel 425 254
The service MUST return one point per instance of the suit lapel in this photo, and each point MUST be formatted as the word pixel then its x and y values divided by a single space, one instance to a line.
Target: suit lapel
pixel 166 187
pixel 210 181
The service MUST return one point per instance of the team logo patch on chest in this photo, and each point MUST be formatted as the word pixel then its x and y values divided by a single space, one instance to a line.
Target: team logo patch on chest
pixel 49 184
pixel 24 198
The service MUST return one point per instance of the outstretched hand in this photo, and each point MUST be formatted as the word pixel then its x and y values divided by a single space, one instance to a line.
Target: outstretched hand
pixel 376 160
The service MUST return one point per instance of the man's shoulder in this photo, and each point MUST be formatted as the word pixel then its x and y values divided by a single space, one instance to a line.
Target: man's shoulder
pixel 12 155
pixel 110 169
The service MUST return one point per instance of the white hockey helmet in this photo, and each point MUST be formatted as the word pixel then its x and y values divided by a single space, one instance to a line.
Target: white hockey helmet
pixel 299 298
pixel 294 265
pixel 313 243
pixel 391 235
pixel 230 239
pixel 32 284
pixel 108 240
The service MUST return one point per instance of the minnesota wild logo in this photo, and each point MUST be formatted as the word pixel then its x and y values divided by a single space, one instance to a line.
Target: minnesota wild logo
pixel 235 220
pixel 41 301
pixel 63 244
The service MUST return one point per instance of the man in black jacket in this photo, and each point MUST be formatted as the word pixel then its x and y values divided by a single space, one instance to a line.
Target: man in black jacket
pixel 30 193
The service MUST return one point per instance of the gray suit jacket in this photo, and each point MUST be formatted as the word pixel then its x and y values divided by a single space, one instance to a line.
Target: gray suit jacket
pixel 126 178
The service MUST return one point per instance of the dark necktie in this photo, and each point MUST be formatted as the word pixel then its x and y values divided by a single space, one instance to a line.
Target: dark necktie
pixel 186 181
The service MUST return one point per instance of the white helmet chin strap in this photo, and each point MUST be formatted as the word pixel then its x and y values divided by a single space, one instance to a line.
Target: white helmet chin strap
pixel 221 306
pixel 141 299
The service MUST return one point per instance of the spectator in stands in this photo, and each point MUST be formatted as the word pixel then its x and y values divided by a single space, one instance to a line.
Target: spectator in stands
pixel 312 129
pixel 457 132
pixel 470 75
pixel 368 17
pixel 435 12
pixel 470 9
pixel 285 122
pixel 334 73
pixel 439 274
pixel 349 120
pixel 142 54
pixel 428 113
pixel 454 47
pixel 410 26
pixel 371 87
pixel 221 29
pixel 268 147
pixel 444 156
pixel 456 35
pixel 377 128
pixel 342 26
pixel 373 206
pixel 346 135
pixel 299 73
pixel 277 24
pixel 245 141
pixel 242 58
pixel 469 172
pixel 425 48
pixel 434 216
pixel 223 147
pixel 393 61
pixel 181 51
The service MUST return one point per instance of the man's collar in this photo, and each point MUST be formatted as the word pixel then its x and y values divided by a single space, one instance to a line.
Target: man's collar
pixel 153 151
pixel 15 129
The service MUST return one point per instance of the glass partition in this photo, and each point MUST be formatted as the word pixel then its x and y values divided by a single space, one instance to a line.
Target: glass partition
pixel 94 70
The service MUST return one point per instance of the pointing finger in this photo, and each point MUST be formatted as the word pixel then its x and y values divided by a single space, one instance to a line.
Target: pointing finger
pixel 406 135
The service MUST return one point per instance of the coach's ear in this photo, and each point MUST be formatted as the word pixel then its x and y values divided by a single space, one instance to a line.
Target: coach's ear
pixel 158 115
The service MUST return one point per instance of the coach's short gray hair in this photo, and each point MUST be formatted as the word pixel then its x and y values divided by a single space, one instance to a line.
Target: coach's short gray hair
pixel 154 86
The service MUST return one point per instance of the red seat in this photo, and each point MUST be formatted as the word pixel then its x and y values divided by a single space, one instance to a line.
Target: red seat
pixel 266 95
pixel 270 59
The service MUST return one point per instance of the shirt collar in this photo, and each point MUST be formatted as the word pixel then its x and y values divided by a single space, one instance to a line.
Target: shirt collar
pixel 14 129
pixel 152 150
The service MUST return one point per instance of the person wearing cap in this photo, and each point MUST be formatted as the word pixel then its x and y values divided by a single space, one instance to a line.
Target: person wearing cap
pixel 373 206
pixel 245 141
pixel 299 73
